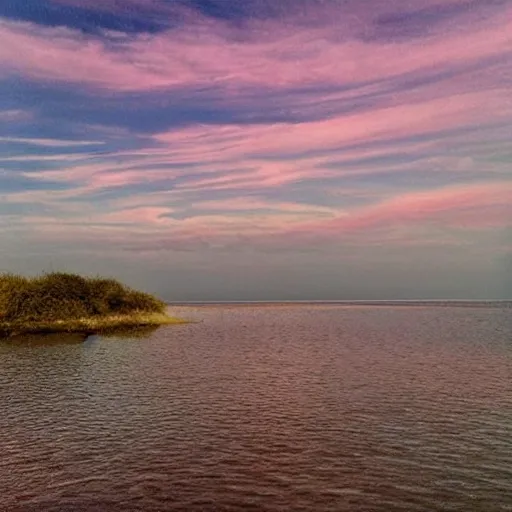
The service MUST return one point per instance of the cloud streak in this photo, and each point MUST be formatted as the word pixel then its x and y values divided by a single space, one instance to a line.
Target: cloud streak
pixel 212 54
pixel 50 142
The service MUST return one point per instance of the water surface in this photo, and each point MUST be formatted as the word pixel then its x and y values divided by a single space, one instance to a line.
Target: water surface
pixel 312 407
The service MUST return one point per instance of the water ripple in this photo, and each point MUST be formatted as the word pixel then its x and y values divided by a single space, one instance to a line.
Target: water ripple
pixel 324 408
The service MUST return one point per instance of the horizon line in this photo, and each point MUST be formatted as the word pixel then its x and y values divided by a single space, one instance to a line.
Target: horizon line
pixel 308 301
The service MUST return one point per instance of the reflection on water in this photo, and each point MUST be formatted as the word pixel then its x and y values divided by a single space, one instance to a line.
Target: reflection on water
pixel 134 333
pixel 265 408
pixel 45 339
pixel 65 338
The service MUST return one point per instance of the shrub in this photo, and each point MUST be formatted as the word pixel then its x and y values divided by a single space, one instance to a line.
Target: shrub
pixel 9 285
pixel 140 301
pixel 62 296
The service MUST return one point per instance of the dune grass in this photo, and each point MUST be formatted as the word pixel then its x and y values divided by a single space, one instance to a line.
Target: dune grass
pixel 61 302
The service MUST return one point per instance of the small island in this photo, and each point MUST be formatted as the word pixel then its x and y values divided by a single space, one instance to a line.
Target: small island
pixel 61 302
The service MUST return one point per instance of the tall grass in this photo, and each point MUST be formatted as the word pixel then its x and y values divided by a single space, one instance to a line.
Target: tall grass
pixel 60 296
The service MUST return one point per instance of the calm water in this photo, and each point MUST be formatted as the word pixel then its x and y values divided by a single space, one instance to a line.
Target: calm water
pixel 272 408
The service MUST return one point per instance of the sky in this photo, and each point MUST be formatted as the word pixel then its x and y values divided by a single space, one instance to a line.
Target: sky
pixel 260 149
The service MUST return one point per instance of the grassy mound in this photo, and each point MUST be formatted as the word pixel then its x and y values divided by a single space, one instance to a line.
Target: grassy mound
pixel 68 302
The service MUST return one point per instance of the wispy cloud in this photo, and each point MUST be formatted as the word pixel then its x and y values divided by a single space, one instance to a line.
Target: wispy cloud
pixel 213 54
pixel 50 142
pixel 15 115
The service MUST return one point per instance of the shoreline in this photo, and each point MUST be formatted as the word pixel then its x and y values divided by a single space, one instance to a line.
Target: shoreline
pixel 89 325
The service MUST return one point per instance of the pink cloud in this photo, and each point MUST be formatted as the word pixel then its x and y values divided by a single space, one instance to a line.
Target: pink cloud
pixel 209 53
pixel 141 215
pixel 404 219
pixel 250 204
pixel 252 156
pixel 235 150
pixel 463 206
pixel 380 123
pixel 245 157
